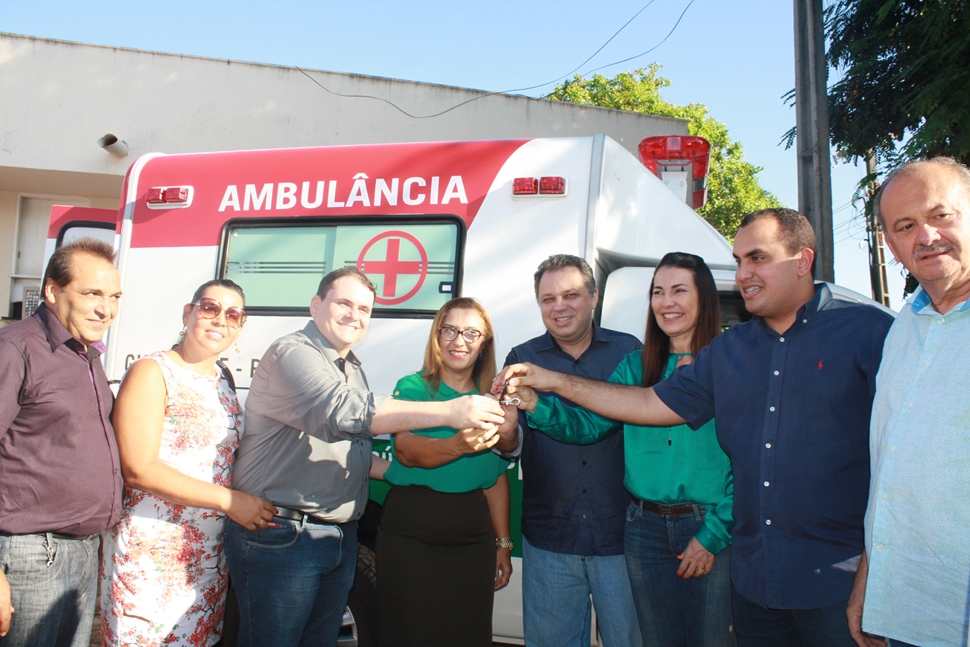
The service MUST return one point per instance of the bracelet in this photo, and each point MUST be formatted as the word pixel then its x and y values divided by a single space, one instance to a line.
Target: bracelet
pixel 504 542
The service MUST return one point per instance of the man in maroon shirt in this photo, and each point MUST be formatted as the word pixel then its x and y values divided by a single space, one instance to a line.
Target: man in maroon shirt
pixel 60 478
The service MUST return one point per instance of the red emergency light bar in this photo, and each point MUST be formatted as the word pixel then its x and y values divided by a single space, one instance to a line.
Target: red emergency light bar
pixel 660 153
pixel 551 185
pixel 167 195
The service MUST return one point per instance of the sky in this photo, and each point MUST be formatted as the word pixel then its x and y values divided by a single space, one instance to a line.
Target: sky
pixel 735 57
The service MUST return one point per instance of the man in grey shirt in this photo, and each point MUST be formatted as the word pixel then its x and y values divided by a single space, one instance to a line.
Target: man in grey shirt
pixel 310 417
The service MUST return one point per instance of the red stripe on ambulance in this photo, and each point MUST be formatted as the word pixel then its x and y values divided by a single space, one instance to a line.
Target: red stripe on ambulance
pixel 385 193
pixel 62 215
pixel 425 178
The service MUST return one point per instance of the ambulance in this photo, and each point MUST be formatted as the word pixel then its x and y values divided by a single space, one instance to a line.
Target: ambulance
pixel 426 222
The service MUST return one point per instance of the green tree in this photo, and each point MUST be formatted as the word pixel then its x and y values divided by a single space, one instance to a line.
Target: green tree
pixel 732 182
pixel 905 79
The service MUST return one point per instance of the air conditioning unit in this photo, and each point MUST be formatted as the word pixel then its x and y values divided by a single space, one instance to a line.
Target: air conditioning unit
pixel 31 301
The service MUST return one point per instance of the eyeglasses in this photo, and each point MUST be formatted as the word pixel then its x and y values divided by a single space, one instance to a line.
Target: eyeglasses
pixel 450 333
pixel 210 309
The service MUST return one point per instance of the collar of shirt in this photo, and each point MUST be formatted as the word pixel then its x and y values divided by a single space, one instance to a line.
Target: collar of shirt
pixel 921 300
pixel 546 342
pixel 821 298
pixel 317 339
pixel 57 335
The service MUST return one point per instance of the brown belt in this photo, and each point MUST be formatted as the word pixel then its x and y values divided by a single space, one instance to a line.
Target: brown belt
pixel 668 510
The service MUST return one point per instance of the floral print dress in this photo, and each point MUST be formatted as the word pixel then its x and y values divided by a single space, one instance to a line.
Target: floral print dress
pixel 164 575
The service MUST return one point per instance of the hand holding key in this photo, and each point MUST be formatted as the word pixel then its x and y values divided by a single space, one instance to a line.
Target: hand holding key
pixel 522 397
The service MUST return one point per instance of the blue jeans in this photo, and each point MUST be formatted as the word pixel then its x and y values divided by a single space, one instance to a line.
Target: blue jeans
pixel 760 627
pixel 674 612
pixel 53 587
pixel 291 582
pixel 555 599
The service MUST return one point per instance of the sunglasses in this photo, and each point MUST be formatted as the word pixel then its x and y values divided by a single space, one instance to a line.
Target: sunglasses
pixel 210 309
pixel 450 333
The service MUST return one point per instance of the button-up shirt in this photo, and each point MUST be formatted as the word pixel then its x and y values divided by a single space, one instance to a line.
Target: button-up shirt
pixel 307 444
pixel 59 465
pixel 573 499
pixel 919 511
pixel 792 413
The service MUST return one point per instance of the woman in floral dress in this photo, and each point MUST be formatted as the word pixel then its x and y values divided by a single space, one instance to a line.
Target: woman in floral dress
pixel 178 423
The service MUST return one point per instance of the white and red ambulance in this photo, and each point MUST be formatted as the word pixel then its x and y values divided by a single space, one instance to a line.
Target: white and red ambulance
pixel 425 221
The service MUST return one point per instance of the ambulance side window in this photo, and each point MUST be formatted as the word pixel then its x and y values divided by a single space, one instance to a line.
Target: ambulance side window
pixel 415 264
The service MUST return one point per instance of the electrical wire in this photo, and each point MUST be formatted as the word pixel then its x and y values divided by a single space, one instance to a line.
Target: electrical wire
pixel 850 234
pixel 652 48
pixel 844 206
pixel 571 72
pixel 533 87
pixel 852 228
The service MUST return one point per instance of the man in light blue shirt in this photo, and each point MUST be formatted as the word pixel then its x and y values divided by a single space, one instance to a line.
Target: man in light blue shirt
pixel 913 584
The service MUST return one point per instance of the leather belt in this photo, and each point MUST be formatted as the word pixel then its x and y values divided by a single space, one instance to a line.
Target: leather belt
pixel 55 535
pixel 297 515
pixel 668 510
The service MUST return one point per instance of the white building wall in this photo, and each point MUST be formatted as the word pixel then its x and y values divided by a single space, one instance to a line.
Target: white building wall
pixel 59 98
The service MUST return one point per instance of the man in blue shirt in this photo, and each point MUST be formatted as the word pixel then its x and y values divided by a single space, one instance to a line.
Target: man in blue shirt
pixel 913 575
pixel 792 392
pixel 574 502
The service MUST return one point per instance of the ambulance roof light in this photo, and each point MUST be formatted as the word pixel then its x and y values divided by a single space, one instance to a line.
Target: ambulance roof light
pixel 658 153
pixel 552 185
pixel 167 197
pixel 176 194
pixel 547 185
pixel 525 186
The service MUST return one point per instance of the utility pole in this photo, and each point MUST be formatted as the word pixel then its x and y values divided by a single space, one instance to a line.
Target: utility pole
pixel 877 254
pixel 812 122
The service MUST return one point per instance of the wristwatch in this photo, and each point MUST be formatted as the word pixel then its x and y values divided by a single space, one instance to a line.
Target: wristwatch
pixel 504 542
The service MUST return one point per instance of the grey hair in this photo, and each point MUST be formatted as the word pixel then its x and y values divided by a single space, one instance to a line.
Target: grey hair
pixel 914 168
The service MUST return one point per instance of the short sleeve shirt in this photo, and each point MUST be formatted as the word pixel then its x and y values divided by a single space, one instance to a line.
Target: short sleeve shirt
pixel 792 413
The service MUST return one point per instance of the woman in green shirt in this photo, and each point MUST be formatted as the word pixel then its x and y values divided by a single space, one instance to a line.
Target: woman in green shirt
pixel 678 531
pixel 443 547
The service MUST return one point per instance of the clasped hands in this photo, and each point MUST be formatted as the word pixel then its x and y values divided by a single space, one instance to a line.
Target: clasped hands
pixel 484 424
pixel 522 381
pixel 478 417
